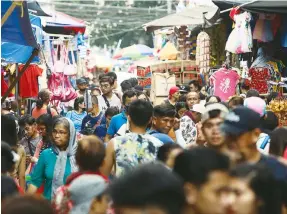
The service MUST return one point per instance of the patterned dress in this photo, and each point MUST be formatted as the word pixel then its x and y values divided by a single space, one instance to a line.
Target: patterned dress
pixel 134 149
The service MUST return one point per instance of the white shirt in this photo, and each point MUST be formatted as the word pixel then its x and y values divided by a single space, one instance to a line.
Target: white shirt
pixel 262 137
pixel 114 101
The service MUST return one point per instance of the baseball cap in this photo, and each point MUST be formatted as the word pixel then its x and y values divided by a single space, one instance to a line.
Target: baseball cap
pixel 199 108
pixel 81 81
pixel 173 90
pixel 83 190
pixel 240 121
pixel 256 104
pixel 183 88
pixel 138 88
pixel 211 107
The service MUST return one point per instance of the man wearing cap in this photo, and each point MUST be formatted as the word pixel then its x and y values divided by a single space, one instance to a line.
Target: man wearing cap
pixel 212 118
pixel 241 128
pixel 84 92
pixel 173 96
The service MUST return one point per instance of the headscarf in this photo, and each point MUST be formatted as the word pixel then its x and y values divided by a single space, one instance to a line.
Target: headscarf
pixel 62 157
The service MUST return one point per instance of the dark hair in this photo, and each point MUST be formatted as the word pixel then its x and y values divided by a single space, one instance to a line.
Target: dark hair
pixel 7 163
pixel 27 204
pixel 202 96
pixel 128 94
pixel 140 112
pixel 61 120
pixel 278 141
pixel 139 93
pixel 112 111
pixel 30 120
pixel 43 97
pixel 148 185
pixel 164 151
pixel 108 79
pixel 269 122
pixel 78 101
pixel 8 130
pixel 272 96
pixel 180 105
pixel 235 101
pixel 195 166
pixel 8 187
pixel 252 93
pixel 209 97
pixel 133 81
pixel 244 84
pixel 126 85
pixel 195 83
pixel 46 120
pixel 113 75
pixel 263 184
pixel 90 153
pixel 164 110
pixel 182 98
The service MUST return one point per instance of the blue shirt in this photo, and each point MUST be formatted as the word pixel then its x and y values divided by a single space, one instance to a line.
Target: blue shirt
pixel 116 123
pixel 43 171
pixel 90 121
pixel 76 118
pixel 162 137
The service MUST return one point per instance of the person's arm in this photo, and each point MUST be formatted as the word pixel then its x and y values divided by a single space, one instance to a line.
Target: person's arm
pixel 38 175
pixel 109 159
pixel 111 130
pixel 22 169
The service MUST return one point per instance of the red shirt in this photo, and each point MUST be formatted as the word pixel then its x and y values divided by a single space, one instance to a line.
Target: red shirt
pixel 28 86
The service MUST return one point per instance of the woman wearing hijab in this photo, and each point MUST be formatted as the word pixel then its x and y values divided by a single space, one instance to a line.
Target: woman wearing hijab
pixel 55 164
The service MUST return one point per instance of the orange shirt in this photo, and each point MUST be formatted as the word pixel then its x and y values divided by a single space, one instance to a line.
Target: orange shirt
pixel 38 112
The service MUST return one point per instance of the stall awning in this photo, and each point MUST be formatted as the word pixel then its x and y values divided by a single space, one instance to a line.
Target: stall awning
pixel 198 15
pixel 267 6
pixel 35 9
pixel 17 28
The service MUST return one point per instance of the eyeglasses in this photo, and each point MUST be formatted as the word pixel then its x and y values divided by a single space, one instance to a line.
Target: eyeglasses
pixel 55 132
pixel 105 86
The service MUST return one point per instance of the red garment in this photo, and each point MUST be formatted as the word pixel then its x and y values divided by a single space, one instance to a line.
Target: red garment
pixel 4 86
pixel 234 11
pixel 29 81
pixel 259 78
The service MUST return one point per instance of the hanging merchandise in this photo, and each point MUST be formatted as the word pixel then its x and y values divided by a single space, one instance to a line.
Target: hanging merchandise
pixel 28 84
pixel 71 67
pixel 284 32
pixel 263 28
pixel 224 82
pixel 203 52
pixel 59 64
pixel 240 39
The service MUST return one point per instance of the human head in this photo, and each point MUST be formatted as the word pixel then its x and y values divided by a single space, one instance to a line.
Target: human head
pixel 253 190
pixel 194 86
pixel 142 96
pixel 61 133
pixel 213 99
pixel 192 98
pixel 79 103
pixel 278 142
pixel 27 204
pixel 128 97
pixel 241 129
pixel 205 174
pixel 107 84
pixel 138 88
pixel 44 125
pixel 90 153
pixel 203 91
pixel 30 127
pixel 180 109
pixel 164 153
pixel 8 158
pixel 140 113
pixel 244 86
pixel 269 121
pixel 212 118
pixel 150 188
pixel 88 195
pixel 256 104
pixel 134 81
pixel 197 111
pixel 126 85
pixel 115 78
pixel 252 93
pixel 174 93
pixel 235 101
pixel 8 187
pixel 163 118
pixel 95 90
pixel 82 84
pixel 110 112
pixel 44 97
pixel 8 130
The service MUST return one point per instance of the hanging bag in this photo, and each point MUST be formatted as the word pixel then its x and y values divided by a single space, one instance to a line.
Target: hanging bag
pixel 59 65
pixel 71 67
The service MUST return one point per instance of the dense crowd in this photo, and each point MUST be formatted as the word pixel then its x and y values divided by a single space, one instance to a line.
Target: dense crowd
pixel 111 151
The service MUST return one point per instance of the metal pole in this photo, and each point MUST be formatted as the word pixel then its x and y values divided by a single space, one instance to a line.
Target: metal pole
pixel 34 53
pixel 17 89
pixel 242 5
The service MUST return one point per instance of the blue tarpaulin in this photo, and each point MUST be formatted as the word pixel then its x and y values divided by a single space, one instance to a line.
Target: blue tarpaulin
pixel 14 52
pixel 17 28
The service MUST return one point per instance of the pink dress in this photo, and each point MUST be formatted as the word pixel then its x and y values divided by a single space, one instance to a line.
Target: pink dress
pixel 224 82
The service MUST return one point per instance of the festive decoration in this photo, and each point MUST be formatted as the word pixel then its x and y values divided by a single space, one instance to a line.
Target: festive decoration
pixel 279 107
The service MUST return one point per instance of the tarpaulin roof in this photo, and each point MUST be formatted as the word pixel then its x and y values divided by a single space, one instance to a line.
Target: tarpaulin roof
pixel 198 15
pixel 35 8
pixel 17 28
pixel 270 6
pixel 15 53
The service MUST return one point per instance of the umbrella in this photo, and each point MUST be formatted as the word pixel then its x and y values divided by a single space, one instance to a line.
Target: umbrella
pixel 35 9
pixel 168 52
pixel 198 15
pixel 134 52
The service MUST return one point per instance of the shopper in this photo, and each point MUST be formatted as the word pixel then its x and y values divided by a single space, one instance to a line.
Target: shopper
pixel 191 99
pixel 194 86
pixel 278 142
pixel 213 99
pixel 173 96
pixel 167 154
pixel 180 109
pixel 83 91
pixel 110 112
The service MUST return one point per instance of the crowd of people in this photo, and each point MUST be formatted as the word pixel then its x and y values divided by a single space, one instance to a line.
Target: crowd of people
pixel 114 151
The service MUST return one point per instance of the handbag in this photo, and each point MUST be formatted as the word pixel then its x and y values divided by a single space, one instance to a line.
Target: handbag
pixel 71 68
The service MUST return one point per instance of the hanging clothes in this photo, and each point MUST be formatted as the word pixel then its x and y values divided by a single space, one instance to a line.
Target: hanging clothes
pixel 4 85
pixel 203 52
pixel 284 32
pixel 224 82
pixel 28 85
pixel 263 28
pixel 240 39
pixel 259 79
